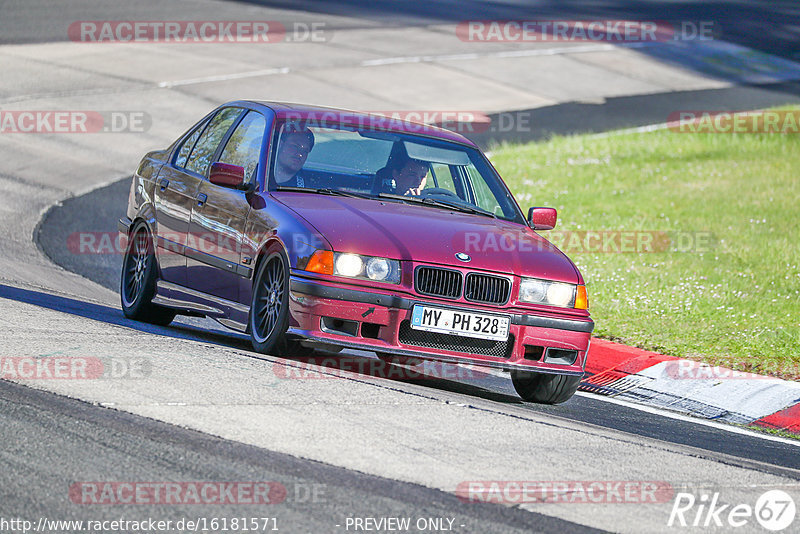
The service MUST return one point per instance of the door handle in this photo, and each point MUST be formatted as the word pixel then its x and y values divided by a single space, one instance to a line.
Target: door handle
pixel 201 199
pixel 164 184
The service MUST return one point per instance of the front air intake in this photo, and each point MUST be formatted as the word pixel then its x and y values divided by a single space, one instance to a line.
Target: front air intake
pixel 437 282
pixel 487 289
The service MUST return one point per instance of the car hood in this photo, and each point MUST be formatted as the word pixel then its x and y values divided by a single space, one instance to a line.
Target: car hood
pixel 431 235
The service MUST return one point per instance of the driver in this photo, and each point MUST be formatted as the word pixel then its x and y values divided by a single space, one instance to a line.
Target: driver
pixel 294 146
pixel 410 176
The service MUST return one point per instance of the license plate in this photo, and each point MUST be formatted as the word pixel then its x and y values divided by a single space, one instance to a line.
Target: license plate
pixel 460 323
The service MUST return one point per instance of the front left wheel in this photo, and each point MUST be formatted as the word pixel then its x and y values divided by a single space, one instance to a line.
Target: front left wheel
pixel 269 309
pixel 138 280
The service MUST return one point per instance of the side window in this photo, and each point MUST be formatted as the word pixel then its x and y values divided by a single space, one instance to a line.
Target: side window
pixel 447 177
pixel 484 197
pixel 244 146
pixel 444 178
pixel 188 145
pixel 209 140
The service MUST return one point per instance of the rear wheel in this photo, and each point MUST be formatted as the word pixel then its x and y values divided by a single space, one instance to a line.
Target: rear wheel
pixel 138 280
pixel 544 388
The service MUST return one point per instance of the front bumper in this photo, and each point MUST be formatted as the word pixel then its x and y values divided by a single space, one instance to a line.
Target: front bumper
pixel 371 320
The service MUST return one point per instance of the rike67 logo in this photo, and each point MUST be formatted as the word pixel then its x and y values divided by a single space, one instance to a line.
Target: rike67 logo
pixel 774 510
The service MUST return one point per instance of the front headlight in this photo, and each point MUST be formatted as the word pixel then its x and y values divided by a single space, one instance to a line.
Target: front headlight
pixel 537 291
pixel 366 267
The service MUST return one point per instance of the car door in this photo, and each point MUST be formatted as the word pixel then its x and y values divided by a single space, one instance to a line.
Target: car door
pixel 173 197
pixel 176 189
pixel 219 214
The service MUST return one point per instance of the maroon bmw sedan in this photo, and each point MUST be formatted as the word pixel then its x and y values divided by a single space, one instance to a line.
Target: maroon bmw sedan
pixel 312 227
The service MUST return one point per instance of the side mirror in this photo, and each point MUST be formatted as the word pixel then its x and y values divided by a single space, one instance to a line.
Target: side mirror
pixel 542 218
pixel 227 175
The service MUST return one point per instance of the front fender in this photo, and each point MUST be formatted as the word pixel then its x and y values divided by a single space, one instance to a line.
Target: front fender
pixel 270 223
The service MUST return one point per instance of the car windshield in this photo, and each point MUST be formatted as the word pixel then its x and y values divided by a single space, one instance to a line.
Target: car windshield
pixel 342 160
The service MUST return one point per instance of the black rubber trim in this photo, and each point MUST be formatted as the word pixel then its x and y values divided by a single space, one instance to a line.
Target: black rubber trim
pixel 552 322
pixel 244 271
pixel 494 364
pixel 219 263
pixel 124 225
pixel 351 295
pixel 390 301
pixel 171 246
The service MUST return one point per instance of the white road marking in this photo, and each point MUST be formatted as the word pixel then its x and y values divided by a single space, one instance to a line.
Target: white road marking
pixel 508 53
pixel 406 59
pixel 703 422
pixel 225 77
pixel 728 427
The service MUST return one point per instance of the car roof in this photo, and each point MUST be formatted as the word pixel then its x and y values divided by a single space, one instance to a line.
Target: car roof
pixel 387 121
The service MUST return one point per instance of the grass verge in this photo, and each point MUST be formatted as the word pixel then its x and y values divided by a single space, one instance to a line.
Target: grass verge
pixel 724 288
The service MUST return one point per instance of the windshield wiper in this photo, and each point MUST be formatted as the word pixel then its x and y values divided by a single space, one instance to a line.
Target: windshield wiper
pixel 429 201
pixel 339 192
pixel 323 191
pixel 404 198
pixel 459 207
pixel 440 204
pixel 292 188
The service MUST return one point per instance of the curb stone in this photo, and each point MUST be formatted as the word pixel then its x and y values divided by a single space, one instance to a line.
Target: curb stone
pixel 692 388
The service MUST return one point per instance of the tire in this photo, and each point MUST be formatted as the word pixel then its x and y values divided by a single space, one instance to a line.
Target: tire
pixel 544 388
pixel 269 309
pixel 138 280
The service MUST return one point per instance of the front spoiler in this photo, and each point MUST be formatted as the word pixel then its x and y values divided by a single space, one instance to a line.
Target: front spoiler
pixel 307 335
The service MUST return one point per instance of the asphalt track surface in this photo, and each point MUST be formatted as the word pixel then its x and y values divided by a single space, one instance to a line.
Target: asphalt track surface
pixel 768 25
pixel 98 441
pixel 58 441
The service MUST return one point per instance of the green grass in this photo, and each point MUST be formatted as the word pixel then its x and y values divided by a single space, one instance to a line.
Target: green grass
pixel 735 303
pixel 771 431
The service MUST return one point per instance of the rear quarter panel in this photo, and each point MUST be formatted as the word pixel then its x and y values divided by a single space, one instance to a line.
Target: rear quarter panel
pixel 143 182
